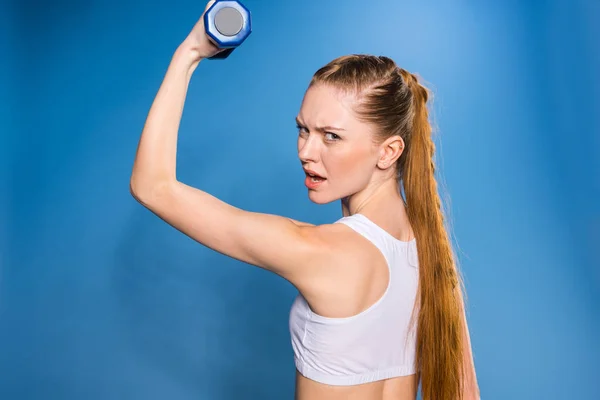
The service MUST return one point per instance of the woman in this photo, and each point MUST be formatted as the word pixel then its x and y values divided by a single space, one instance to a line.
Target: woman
pixel 374 318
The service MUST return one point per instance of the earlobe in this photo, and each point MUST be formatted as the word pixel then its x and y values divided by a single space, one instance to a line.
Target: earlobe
pixel 385 163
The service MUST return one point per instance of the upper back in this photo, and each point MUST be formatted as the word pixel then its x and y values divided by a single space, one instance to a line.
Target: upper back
pixel 374 344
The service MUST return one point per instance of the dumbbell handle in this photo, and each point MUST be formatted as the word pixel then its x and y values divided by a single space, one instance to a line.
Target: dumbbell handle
pixel 227 23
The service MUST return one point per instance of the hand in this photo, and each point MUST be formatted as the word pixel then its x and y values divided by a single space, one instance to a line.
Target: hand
pixel 198 42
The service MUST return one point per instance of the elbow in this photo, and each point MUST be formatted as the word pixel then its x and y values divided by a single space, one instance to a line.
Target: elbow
pixel 147 193
pixel 138 192
pixel 134 190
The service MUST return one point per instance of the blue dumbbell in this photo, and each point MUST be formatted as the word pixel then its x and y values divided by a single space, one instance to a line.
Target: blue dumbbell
pixel 228 24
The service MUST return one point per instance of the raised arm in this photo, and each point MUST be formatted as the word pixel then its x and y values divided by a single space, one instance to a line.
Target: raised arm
pixel 299 252
pixel 155 161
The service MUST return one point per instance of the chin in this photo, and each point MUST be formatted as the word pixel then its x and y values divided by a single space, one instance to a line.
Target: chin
pixel 320 198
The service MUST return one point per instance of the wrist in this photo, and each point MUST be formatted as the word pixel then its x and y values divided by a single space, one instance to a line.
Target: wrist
pixel 186 57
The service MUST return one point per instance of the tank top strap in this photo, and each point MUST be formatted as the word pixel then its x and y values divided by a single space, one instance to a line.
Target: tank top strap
pixel 364 227
pixel 381 238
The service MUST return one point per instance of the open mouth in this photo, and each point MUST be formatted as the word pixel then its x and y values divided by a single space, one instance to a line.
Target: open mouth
pixel 315 178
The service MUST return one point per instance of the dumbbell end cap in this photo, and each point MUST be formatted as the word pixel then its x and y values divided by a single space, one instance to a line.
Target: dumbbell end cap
pixel 228 41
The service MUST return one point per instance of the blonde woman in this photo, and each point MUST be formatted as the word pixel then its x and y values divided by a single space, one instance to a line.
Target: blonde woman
pixel 380 307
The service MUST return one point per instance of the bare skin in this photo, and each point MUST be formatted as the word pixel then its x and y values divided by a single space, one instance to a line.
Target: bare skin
pixel 401 388
pixel 338 271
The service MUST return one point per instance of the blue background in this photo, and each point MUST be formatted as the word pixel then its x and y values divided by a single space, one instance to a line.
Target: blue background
pixel 99 299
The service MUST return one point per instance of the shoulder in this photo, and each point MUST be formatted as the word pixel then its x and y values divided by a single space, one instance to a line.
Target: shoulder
pixel 339 241
pixel 338 253
pixel 336 236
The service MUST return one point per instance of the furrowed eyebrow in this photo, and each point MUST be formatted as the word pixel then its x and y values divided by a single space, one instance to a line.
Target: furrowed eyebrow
pixel 321 128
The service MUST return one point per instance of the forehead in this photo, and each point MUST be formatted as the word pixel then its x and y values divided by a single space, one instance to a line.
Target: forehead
pixel 324 105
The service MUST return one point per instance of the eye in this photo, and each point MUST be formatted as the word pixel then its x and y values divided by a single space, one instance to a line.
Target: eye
pixel 300 128
pixel 333 135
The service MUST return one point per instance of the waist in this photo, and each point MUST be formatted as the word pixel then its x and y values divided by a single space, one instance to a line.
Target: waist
pixel 397 388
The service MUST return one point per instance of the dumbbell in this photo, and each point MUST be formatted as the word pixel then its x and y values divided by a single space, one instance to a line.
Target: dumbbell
pixel 227 24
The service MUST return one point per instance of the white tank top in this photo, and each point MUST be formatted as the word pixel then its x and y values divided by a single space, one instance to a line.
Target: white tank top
pixel 373 345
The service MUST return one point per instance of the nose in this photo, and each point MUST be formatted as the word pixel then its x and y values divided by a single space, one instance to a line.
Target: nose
pixel 308 150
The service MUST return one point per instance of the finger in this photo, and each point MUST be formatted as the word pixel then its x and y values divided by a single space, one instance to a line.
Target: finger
pixel 210 3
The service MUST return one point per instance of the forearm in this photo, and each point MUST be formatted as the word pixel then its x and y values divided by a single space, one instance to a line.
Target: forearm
pixel 155 161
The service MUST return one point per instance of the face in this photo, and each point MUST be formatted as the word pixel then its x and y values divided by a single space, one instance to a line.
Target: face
pixel 334 144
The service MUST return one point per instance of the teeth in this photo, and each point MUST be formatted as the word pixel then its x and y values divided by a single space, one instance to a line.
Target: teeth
pixel 315 178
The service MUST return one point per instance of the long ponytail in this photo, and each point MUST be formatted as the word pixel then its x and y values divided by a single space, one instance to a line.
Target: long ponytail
pixel 439 351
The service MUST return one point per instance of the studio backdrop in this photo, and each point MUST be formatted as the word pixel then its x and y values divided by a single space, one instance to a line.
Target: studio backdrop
pixel 100 299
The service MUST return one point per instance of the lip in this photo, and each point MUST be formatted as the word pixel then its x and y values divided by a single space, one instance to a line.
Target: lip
pixel 313 185
pixel 310 171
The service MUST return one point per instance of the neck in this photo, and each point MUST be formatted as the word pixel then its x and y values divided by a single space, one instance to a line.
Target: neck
pixel 376 197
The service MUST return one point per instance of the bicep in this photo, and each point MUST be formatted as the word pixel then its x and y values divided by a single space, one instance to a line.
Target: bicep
pixel 268 241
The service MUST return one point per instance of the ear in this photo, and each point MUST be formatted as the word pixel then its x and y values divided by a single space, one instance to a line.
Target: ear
pixel 390 151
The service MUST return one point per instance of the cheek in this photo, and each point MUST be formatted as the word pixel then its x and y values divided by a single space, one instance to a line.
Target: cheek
pixel 351 168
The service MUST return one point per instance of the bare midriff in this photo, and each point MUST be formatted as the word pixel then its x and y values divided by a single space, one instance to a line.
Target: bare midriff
pixel 400 388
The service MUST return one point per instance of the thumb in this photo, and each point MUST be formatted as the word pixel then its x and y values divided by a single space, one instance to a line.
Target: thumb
pixel 210 3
